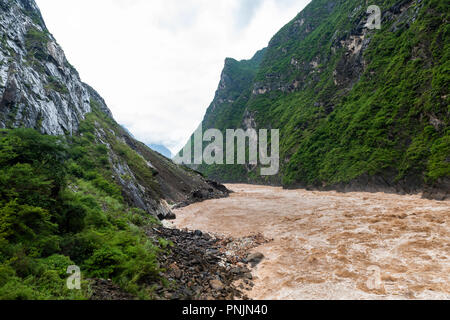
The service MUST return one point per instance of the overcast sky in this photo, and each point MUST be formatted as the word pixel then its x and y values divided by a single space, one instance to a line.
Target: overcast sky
pixel 157 63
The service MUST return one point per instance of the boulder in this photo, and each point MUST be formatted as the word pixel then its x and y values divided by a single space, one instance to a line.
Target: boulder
pixel 254 259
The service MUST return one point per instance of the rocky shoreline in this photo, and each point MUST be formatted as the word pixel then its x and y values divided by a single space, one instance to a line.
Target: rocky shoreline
pixel 198 266
pixel 215 191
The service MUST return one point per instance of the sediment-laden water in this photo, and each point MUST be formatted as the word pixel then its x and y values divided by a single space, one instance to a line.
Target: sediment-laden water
pixel 329 245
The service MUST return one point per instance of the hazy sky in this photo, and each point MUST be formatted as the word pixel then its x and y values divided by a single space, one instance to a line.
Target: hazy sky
pixel 157 63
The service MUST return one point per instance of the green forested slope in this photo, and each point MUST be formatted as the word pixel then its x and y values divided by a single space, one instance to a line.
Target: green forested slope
pixel 59 207
pixel 357 108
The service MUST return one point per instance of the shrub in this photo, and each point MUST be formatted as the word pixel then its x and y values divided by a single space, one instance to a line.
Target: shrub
pixel 81 246
pixel 75 170
pixel 106 262
pixel 15 289
pixel 24 265
pixel 57 263
pixel 71 214
pixel 23 222
pixel 47 246
pixel 144 265
pixel 35 43
pixel 60 207
pixel 6 273
pixel 56 85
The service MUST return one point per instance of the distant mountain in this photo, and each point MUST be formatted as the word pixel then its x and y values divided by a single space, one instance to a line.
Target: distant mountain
pixel 127 131
pixel 155 147
pixel 161 149
pixel 357 108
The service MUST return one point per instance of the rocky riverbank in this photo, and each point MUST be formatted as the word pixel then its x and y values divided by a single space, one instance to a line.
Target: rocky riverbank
pixel 198 266
pixel 202 266
pixel 330 245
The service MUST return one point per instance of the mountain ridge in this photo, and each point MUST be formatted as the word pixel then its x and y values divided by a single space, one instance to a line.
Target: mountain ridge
pixel 358 109
pixel 77 192
pixel 40 89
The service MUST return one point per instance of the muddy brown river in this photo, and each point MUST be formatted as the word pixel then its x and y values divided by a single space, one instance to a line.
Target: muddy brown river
pixel 329 245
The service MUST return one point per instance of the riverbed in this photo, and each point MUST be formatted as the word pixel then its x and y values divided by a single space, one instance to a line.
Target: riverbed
pixel 330 245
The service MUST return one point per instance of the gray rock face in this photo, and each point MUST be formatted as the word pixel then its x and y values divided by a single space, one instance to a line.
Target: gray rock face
pixel 38 87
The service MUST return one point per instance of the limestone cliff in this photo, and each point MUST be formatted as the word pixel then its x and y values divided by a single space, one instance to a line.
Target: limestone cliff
pixel 40 89
pixel 358 108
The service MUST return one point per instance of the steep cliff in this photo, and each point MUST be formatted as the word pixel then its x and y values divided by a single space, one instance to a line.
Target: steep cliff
pixel 357 108
pixel 40 89
pixel 77 191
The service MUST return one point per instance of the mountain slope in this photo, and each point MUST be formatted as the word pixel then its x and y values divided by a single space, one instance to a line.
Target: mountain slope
pixel 40 89
pixel 161 150
pixel 76 189
pixel 357 109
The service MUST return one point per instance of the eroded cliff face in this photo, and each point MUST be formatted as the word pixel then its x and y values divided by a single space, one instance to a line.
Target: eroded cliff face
pixel 358 108
pixel 40 89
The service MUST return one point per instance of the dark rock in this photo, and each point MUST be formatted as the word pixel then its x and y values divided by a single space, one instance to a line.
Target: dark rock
pixel 248 275
pixel 198 233
pixel 193 264
pixel 254 259
pixel 107 290
pixel 236 270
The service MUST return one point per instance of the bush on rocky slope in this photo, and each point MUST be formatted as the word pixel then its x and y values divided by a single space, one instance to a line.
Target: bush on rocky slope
pixel 58 208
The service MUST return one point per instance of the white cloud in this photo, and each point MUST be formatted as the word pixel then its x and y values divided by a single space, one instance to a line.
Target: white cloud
pixel 157 63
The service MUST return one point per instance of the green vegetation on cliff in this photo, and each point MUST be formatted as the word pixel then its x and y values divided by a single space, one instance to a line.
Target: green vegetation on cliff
pixel 90 197
pixel 351 103
pixel 59 206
